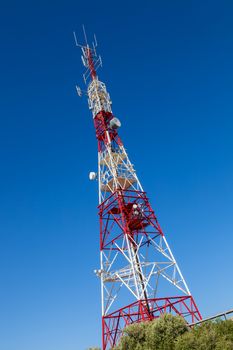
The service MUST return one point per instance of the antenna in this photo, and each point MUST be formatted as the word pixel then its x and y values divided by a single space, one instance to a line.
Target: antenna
pixel 94 44
pixel 85 35
pixel 90 59
pixel 75 39
pixel 79 91
pixel 95 41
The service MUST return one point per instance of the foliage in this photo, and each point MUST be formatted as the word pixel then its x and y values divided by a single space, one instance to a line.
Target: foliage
pixel 208 336
pixel 134 337
pixel 159 334
pixel 171 333
pixel 163 332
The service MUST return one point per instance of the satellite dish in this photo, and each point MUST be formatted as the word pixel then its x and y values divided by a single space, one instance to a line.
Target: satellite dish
pixel 115 123
pixel 92 175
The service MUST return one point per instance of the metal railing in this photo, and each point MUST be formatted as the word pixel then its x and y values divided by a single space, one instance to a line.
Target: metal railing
pixel 224 316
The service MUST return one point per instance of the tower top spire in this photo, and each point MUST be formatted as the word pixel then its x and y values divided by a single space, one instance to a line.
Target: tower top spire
pixel 90 59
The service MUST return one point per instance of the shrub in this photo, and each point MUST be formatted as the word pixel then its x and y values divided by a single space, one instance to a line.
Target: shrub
pixel 171 333
pixel 159 334
pixel 208 336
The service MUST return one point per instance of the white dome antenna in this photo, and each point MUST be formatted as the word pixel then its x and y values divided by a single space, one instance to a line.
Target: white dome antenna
pixel 92 176
pixel 115 123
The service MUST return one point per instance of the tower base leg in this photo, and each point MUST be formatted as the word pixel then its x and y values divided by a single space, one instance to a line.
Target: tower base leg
pixel 114 323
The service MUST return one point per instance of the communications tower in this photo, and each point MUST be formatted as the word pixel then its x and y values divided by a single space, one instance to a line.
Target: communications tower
pixel 140 278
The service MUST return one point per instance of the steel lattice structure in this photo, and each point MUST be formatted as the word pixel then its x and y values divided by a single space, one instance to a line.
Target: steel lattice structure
pixel 137 267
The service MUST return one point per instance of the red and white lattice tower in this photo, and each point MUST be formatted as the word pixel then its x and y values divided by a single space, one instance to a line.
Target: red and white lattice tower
pixel 140 278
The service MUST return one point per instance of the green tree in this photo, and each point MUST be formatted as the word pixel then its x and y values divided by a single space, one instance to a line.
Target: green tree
pixel 163 332
pixel 208 336
pixel 134 337
pixel 171 333
pixel 159 334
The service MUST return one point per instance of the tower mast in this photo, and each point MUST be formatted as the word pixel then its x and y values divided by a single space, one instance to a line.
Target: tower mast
pixel 140 278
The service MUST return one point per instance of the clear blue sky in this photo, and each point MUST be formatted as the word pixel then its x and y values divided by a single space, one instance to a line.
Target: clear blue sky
pixel 168 67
